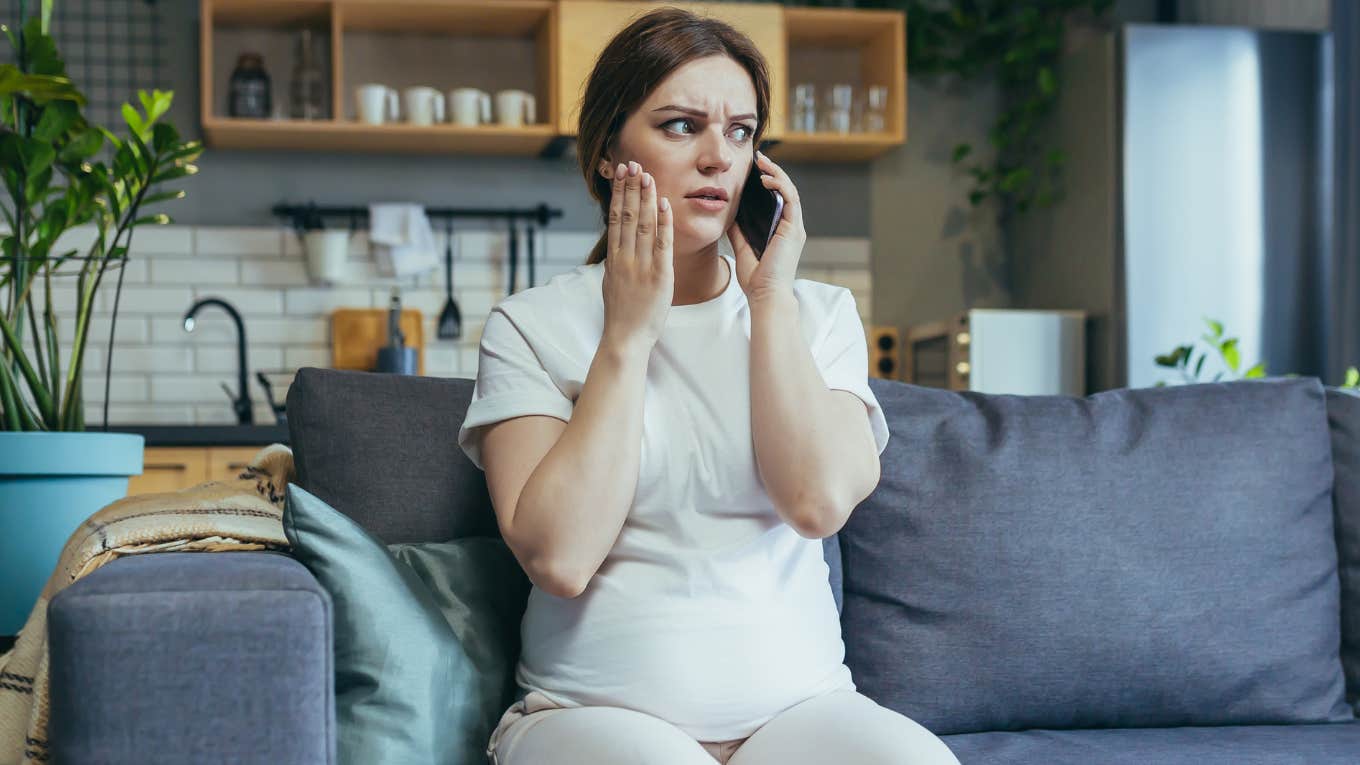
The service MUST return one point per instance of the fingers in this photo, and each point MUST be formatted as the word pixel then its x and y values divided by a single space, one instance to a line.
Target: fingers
pixel 661 247
pixel 616 208
pixel 646 225
pixel 628 221
pixel 780 180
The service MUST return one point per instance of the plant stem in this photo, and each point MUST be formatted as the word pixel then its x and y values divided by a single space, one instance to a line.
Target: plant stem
pixel 113 325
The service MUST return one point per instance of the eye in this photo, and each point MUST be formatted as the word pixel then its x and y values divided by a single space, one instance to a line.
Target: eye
pixel 749 130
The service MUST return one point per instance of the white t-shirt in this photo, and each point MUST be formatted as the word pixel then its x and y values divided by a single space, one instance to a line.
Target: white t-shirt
pixel 710 611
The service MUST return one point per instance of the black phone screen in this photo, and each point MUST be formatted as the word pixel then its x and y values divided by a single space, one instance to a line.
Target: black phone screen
pixel 755 215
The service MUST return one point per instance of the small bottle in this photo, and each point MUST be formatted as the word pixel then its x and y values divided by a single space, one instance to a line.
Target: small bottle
pixel 249 94
pixel 308 87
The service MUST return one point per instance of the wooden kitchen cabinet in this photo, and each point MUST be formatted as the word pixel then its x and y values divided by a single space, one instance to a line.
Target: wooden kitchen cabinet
pixel 546 47
pixel 170 468
pixel 586 26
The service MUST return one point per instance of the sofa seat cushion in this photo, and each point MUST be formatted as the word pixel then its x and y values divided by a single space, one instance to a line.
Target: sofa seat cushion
pixel 1138 558
pixel 1316 744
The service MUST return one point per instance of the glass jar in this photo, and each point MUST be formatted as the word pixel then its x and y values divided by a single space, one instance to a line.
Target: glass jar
pixel 308 85
pixel 248 94
pixel 803 117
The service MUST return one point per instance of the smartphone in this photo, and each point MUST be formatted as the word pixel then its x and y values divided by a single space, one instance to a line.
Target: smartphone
pixel 759 213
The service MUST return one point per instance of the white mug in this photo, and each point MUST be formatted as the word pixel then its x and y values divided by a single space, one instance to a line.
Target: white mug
pixel 376 103
pixel 424 105
pixel 514 107
pixel 469 106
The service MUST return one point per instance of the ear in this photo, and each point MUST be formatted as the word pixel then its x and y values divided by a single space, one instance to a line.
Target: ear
pixel 607 168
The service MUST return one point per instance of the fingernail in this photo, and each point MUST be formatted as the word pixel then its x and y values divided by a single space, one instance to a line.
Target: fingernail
pixel 646 180
pixel 634 168
pixel 619 173
pixel 665 204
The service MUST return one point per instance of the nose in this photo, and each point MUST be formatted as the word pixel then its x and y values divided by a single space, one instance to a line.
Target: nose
pixel 714 152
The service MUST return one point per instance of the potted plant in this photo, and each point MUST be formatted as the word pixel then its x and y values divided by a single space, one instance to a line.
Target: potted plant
pixel 60 171
pixel 327 251
pixel 1181 358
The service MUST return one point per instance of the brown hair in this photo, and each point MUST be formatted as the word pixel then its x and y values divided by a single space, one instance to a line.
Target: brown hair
pixel 638 58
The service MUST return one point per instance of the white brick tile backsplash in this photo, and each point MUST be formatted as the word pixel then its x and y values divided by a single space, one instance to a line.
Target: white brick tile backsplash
pixel 468 365
pixel 222 358
pixel 293 330
pixel 200 271
pixel 146 358
pixel 441 362
pixel 163 240
pixel 248 301
pixel 301 356
pixel 428 301
pixel 122 388
pixel 163 374
pixel 150 299
pixel 209 327
pixel 189 389
pixel 131 330
pixel 273 273
pixel 311 301
pixel 241 241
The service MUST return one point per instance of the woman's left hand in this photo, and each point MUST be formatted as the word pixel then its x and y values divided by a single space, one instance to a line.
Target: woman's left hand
pixel 774 271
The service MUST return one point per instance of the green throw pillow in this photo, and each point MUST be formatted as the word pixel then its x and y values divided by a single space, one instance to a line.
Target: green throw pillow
pixel 426 636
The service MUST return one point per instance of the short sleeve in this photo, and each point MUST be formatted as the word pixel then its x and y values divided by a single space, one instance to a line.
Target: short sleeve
pixel 842 356
pixel 511 382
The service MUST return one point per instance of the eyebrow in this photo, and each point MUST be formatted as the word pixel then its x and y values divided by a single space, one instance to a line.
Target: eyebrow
pixel 696 112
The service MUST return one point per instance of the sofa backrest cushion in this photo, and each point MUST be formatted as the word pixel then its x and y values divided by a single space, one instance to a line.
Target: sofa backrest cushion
pixel 1343 414
pixel 1153 557
pixel 383 450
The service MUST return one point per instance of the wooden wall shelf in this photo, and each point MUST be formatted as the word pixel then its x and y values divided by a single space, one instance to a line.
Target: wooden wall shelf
pixel 549 48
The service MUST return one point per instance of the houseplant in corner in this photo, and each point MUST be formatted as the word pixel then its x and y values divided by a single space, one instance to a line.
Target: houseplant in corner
pixel 53 475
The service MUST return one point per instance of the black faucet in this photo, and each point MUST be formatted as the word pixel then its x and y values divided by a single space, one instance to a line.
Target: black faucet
pixel 241 401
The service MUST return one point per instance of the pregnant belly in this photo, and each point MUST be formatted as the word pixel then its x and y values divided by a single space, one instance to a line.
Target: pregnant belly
pixel 713 674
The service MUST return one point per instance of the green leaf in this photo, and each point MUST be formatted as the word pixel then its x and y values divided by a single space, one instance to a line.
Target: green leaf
pixel 1200 365
pixel 151 199
pixel 1257 371
pixel 962 150
pixel 1352 378
pixel 1230 353
pixel 1047 83
pixel 178 171
pixel 1216 326
pixel 133 119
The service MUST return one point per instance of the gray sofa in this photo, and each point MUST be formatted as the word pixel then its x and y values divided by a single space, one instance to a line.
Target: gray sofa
pixel 1164 575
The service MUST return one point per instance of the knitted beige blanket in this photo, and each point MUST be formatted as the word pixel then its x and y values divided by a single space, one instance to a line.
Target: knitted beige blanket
pixel 241 514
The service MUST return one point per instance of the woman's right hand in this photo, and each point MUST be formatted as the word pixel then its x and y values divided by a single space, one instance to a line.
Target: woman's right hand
pixel 639 273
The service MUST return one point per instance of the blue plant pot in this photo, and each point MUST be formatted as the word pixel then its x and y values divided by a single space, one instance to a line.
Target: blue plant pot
pixel 49 484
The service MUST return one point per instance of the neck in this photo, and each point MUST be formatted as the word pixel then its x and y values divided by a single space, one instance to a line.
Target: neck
pixel 700 275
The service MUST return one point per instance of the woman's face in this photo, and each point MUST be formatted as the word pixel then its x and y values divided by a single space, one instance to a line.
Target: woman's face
pixel 695 130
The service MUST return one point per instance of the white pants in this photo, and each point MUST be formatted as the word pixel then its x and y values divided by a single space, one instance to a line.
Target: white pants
pixel 843 726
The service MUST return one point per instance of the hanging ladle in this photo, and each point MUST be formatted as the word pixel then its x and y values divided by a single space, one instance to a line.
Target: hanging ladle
pixel 450 319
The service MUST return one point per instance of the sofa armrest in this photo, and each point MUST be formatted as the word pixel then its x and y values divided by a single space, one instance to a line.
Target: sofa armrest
pixel 193 657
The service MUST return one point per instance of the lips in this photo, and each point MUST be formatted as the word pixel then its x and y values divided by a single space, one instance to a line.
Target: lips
pixel 708 192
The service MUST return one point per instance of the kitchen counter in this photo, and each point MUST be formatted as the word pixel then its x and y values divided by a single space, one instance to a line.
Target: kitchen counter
pixel 206 435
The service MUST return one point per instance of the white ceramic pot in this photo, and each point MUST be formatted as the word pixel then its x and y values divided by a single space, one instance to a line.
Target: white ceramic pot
pixel 327 255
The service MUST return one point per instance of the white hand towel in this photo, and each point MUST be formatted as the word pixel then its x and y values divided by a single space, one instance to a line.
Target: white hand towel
pixel 401 239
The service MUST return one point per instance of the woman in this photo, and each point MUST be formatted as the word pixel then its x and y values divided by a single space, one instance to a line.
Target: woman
pixel 668 431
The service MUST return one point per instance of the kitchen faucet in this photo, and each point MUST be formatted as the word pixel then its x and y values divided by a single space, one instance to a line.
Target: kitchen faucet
pixel 241 401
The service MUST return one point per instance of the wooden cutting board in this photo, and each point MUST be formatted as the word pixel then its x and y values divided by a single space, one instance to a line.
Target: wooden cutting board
pixel 358 333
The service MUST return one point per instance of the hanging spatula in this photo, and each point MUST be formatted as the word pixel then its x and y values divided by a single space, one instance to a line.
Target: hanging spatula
pixel 450 319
